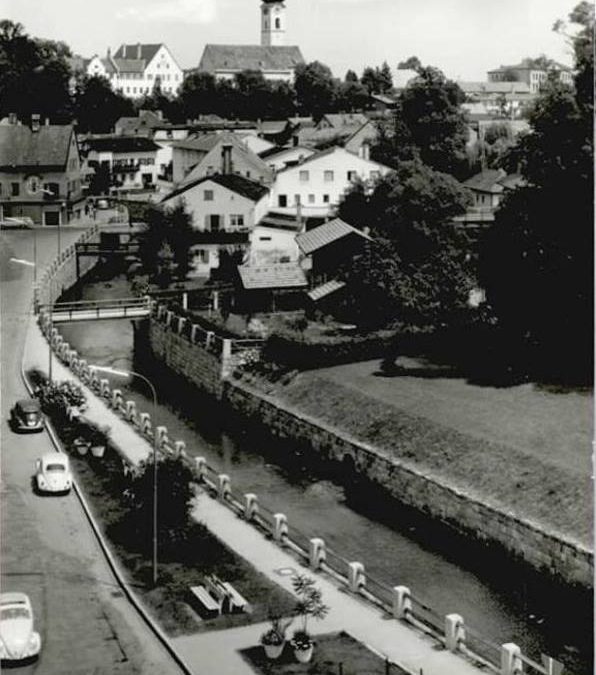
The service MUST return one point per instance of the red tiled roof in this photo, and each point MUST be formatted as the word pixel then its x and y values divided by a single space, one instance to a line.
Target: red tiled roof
pixel 47 147
pixel 249 57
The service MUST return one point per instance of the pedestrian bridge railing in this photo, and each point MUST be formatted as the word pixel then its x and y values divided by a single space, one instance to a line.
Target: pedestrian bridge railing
pixel 91 310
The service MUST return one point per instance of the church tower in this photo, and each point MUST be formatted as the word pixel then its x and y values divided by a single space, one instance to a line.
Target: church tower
pixel 273 23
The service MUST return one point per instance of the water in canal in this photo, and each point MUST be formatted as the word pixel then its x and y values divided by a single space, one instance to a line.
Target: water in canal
pixel 499 600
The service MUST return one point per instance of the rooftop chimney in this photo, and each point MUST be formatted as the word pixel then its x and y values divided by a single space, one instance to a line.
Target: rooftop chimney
pixel 138 50
pixel 35 123
pixel 295 140
pixel 226 156
pixel 109 53
pixel 12 118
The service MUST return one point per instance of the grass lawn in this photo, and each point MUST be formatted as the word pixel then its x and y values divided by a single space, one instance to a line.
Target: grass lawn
pixel 524 449
pixel 334 654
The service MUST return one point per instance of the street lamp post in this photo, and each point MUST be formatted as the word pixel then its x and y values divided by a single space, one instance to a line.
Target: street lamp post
pixel 53 194
pixel 129 373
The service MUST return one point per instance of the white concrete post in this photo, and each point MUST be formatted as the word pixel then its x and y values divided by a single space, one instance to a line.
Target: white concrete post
pixel 185 300
pixel 181 322
pixel 131 410
pixel 402 602
pixel 511 663
pixel 169 315
pixel 116 398
pixel 161 435
pixel 104 386
pixel 200 468
pixel 317 553
pixel 356 576
pixel 455 633
pixel 215 297
pixel 208 338
pixel 145 422
pixel 193 332
pixel 251 506
pixel 226 349
pixel 280 530
pixel 223 486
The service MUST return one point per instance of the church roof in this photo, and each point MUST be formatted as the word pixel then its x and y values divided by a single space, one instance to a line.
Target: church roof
pixel 249 57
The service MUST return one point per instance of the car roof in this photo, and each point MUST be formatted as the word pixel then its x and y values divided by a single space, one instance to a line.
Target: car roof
pixel 29 404
pixel 55 458
pixel 14 598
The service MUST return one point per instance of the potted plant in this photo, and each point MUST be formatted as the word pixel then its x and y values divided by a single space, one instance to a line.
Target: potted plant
pixel 310 604
pixel 274 639
pixel 98 439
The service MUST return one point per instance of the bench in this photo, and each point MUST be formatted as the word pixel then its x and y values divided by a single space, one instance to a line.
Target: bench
pixel 204 602
pixel 237 602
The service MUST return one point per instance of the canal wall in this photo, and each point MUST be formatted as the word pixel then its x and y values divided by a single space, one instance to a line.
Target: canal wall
pixel 207 361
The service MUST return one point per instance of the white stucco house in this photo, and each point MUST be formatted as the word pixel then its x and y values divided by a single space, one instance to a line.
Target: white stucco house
pixel 316 185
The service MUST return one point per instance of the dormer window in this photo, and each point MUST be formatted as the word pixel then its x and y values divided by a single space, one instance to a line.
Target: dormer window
pixel 277 24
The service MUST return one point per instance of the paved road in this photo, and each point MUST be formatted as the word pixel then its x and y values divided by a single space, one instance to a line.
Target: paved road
pixel 47 548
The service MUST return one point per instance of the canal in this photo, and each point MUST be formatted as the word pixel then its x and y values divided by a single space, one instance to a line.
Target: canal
pixel 499 599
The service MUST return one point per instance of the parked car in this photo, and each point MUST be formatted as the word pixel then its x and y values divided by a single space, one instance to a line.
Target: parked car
pixel 102 204
pixel 53 474
pixel 26 416
pixel 16 223
pixel 18 640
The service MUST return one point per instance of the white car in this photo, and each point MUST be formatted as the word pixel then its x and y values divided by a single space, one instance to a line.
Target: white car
pixel 18 640
pixel 53 473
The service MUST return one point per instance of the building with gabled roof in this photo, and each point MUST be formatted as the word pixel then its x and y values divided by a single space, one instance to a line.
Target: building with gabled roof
pixel 534 76
pixel 204 155
pixel 272 57
pixel 40 171
pixel 225 209
pixel 316 185
pixel 133 70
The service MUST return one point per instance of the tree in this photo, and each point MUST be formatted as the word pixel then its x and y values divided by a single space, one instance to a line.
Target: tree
pixel 253 94
pixel 384 78
pixel 416 270
pixel 197 95
pixel 543 234
pixel 166 242
pixel 174 497
pixel 411 63
pixel 316 90
pixel 34 75
pixel 97 106
pixel 430 108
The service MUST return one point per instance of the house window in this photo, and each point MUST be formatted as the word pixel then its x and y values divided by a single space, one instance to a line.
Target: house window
pixel 351 175
pixel 282 200
pixel 15 189
pixel 264 238
pixel 328 176
pixel 149 76
pixel 325 199
pixel 277 24
pixel 210 170
pixel 33 185
pixel 248 174
pixel 374 175
pixel 311 199
pixel 208 195
pixel 202 255
pixel 303 176
pixel 297 200
pixel 237 220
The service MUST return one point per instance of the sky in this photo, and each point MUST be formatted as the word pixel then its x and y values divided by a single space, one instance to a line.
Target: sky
pixel 464 38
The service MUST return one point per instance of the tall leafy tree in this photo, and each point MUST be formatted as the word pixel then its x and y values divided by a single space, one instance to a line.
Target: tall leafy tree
pixel 316 89
pixel 416 271
pixel 430 108
pixel 197 95
pixel 97 106
pixel 411 63
pixel 34 75
pixel 537 263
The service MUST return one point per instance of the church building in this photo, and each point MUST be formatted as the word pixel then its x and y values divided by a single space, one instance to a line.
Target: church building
pixel 272 57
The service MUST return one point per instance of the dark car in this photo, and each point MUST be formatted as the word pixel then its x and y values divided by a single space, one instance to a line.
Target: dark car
pixel 26 416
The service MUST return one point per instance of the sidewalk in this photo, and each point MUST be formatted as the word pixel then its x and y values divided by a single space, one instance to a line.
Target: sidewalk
pixel 217 652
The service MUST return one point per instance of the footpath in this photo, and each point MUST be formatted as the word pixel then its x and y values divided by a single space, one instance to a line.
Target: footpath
pixel 218 652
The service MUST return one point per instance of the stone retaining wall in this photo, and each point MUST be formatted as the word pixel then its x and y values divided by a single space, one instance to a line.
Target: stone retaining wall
pixel 557 556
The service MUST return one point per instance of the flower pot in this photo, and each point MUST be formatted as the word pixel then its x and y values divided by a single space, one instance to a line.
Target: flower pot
pixel 81 448
pixel 274 651
pixel 303 654
pixel 98 450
